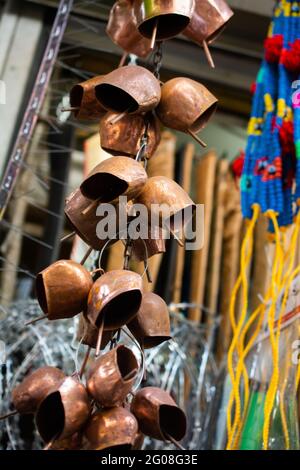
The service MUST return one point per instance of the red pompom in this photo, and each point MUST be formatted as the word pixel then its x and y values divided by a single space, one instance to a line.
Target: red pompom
pixel 291 58
pixel 253 88
pixel 273 48
pixel 286 134
pixel 238 165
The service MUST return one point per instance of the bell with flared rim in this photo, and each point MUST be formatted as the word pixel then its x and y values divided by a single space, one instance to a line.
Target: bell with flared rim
pixel 163 19
pixel 114 177
pixel 186 105
pixel 209 19
pixel 131 89
pixel 62 289
pixel 112 376
pixel 27 396
pixel 115 299
pixel 151 326
pixel 113 429
pixel 83 100
pixel 122 29
pixel 158 415
pixel 63 412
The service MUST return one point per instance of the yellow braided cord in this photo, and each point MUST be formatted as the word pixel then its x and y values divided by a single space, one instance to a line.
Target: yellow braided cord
pixel 274 339
pixel 232 309
pixel 246 254
pixel 298 377
pixel 281 406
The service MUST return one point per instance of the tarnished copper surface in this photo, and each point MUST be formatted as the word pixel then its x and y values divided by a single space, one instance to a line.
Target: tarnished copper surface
pixel 157 413
pixel 115 298
pixel 153 245
pixel 62 289
pixel 114 177
pixel 124 137
pixel 27 396
pixel 185 105
pixel 123 31
pixel 131 88
pixel 83 224
pixel 64 411
pixel 88 334
pixel 111 429
pixel 83 96
pixel 151 326
pixel 173 201
pixel 112 376
pixel 173 16
pixel 208 21
pixel 71 443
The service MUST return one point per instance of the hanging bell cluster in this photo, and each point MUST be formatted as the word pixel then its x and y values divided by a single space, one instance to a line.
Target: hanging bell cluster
pixel 98 407
pixel 135 25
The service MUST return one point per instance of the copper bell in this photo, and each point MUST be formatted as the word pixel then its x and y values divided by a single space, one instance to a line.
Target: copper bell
pixel 158 415
pixel 166 200
pixel 62 289
pixel 151 326
pixel 71 443
pixel 84 101
pixel 112 376
pixel 34 388
pixel 115 429
pixel 209 19
pixel 114 177
pixel 186 105
pixel 64 411
pixel 123 31
pixel 131 89
pixel 115 299
pixel 164 18
pixel 88 334
pixel 84 224
pixel 124 137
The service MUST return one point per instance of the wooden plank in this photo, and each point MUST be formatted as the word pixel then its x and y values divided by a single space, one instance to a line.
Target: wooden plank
pixel 189 153
pixel 215 254
pixel 205 180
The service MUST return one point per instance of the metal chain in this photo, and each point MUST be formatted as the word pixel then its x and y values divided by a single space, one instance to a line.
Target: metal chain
pixel 157 60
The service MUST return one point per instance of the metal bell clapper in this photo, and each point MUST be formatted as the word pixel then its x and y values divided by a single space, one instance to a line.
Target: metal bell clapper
pixel 87 334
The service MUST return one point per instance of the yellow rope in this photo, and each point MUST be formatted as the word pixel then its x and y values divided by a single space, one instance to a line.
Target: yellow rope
pixel 281 405
pixel 246 254
pixel 274 339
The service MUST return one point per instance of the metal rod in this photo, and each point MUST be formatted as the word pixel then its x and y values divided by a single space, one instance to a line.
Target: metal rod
pixel 148 273
pixel 208 55
pixel 154 34
pixel 8 415
pixel 85 360
pixel 171 439
pixel 31 322
pixel 90 207
pixel 118 117
pixel 197 139
pixel 67 237
pixel 70 109
pixel 123 59
pixel 98 347
pixel 86 255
